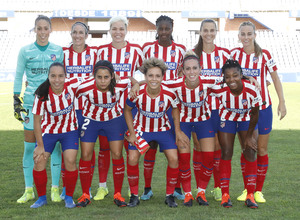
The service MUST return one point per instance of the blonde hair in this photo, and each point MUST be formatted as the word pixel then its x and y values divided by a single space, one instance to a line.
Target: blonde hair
pixel 116 19
pixel 257 48
pixel 154 62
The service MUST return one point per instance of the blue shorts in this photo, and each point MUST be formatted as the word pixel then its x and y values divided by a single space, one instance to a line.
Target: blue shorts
pixel 169 113
pixel 113 129
pixel 80 119
pixel 165 139
pixel 28 119
pixel 203 129
pixel 265 120
pixel 215 117
pixel 234 126
pixel 68 140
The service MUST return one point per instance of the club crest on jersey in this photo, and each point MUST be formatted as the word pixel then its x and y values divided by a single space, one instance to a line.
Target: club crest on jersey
pixel 255 59
pixel 173 53
pixel 87 57
pixel 201 93
pixel 53 57
pixel 222 124
pixel 217 59
pixel 161 104
pixel 68 96
pixel 127 55
pixel 244 102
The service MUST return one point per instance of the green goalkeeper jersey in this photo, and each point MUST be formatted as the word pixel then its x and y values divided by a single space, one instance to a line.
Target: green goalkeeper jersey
pixel 34 60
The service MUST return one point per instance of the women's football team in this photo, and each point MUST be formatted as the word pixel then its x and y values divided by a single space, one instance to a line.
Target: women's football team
pixel 76 94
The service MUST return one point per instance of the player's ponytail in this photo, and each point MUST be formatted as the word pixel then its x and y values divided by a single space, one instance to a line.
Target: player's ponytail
pixel 105 64
pixel 42 91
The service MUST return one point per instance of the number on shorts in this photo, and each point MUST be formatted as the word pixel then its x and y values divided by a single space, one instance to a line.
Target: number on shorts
pixel 86 123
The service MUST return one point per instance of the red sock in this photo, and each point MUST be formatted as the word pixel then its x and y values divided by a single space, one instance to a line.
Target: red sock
pixel 250 175
pixel 216 170
pixel 85 175
pixel 103 159
pixel 93 161
pixel 185 171
pixel 172 176
pixel 63 168
pixel 262 168
pixel 197 160
pixel 71 179
pixel 133 178
pixel 243 165
pixel 149 161
pixel 206 169
pixel 118 174
pixel 179 176
pixel 225 174
pixel 40 181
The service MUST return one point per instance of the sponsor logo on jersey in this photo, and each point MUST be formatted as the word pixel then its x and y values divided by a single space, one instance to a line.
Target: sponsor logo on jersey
pixel 251 72
pixel 122 67
pixel 217 59
pixel 53 57
pixel 201 93
pixel 87 57
pixel 127 55
pixel 107 105
pixel 239 111
pixel 63 111
pixel 161 104
pixel 173 53
pixel 193 104
pixel 152 114
pixel 85 69
pixel 68 96
pixel 255 59
pixel 171 65
pixel 244 102
pixel 211 72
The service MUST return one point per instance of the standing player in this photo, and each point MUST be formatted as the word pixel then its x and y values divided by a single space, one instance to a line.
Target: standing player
pixel 151 123
pixel 126 58
pixel 55 120
pixel 257 62
pixel 212 58
pixel 172 53
pixel 192 91
pixel 102 112
pixel 79 61
pixel 34 60
pixel 239 112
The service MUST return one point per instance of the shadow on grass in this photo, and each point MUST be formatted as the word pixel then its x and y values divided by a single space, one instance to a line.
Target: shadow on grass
pixel 280 188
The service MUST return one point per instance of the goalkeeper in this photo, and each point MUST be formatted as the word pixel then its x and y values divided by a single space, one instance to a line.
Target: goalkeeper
pixel 34 60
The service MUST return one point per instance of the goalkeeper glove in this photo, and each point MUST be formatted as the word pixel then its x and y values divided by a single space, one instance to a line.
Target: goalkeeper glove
pixel 18 108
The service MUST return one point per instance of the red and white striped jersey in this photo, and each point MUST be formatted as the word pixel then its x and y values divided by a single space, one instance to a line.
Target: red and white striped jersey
pixel 102 106
pixel 151 115
pixel 212 64
pixel 125 61
pixel 237 108
pixel 258 68
pixel 79 65
pixel 58 111
pixel 172 55
pixel 193 102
